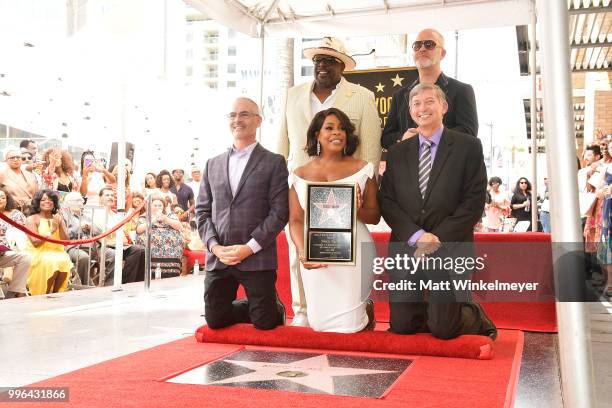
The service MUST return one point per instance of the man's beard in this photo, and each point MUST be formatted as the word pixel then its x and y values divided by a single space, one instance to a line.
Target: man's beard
pixel 424 64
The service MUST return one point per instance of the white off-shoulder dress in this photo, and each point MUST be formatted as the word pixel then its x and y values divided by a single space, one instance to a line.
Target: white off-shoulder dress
pixel 336 295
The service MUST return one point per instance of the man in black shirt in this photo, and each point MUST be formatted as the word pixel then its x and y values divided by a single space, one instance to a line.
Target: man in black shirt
pixel 428 51
pixel 184 193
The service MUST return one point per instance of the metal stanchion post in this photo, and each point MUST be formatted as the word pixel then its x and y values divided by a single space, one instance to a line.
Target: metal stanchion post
pixel 147 277
pixel 78 247
pixel 91 246
pixel 102 274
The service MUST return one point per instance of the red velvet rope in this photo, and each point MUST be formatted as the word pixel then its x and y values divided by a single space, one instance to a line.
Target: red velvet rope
pixel 71 242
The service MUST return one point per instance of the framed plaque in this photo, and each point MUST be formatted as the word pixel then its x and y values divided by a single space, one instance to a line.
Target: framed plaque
pixel 330 220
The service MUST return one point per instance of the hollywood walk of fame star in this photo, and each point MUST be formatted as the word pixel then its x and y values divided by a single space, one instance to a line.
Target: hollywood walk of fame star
pixel 397 81
pixel 380 87
pixel 312 372
pixel 330 210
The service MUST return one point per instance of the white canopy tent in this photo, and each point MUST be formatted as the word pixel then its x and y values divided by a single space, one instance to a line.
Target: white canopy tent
pixel 297 18
pixel 290 18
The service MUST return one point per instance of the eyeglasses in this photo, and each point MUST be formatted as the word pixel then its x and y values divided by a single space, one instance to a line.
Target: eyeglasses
pixel 13 158
pixel 26 158
pixel 523 182
pixel 241 115
pixel 328 60
pixel 429 45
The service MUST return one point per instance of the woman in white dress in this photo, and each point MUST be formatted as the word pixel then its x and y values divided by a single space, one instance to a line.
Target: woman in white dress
pixel 336 295
pixel 499 206
pixel 164 183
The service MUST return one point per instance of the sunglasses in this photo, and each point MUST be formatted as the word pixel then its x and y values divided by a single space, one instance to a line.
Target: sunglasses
pixel 241 115
pixel 326 59
pixel 429 45
pixel 13 158
pixel 523 182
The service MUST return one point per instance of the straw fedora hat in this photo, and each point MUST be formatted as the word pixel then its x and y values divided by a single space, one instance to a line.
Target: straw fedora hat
pixel 333 47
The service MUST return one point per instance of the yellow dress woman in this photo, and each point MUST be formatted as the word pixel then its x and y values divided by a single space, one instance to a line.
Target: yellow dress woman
pixel 50 265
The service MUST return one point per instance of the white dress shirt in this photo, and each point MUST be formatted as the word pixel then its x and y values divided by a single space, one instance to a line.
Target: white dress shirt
pixel 317 106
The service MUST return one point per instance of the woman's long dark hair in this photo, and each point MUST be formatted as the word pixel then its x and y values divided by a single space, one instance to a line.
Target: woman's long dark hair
pixel 517 188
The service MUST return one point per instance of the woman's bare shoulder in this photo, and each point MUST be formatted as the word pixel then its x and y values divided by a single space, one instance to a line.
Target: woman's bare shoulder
pixel 299 171
pixel 306 170
pixel 359 164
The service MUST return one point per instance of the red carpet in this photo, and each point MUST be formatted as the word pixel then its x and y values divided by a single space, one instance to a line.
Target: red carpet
pixel 526 316
pixel 468 346
pixel 131 381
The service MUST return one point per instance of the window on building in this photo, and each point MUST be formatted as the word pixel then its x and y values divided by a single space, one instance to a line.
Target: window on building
pixel 212 85
pixel 189 54
pixel 189 71
pixel 189 36
pixel 231 68
pixel 211 72
pixel 211 37
pixel 231 51
pixel 211 55
pixel 308 71
pixel 231 33
pixel 231 84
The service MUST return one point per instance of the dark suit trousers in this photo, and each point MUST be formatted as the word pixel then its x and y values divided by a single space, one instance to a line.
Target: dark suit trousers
pixel 441 315
pixel 220 288
pixel 133 264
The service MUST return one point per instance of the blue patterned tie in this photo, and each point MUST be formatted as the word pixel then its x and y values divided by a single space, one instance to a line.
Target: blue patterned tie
pixel 424 167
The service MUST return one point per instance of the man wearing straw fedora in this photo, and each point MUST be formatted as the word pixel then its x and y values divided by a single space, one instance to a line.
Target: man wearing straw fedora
pixel 328 89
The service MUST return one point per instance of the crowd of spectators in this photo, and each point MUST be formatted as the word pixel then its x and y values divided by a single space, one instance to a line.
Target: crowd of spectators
pixel 594 180
pixel 510 211
pixel 505 210
pixel 53 196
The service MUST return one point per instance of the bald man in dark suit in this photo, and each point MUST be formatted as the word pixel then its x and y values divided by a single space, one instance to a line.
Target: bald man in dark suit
pixel 242 207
